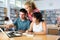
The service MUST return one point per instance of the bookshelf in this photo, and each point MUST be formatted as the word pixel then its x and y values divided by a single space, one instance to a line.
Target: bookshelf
pixel 3 13
pixel 13 14
pixel 50 16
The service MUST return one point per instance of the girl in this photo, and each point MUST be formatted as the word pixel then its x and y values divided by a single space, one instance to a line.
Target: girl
pixel 38 26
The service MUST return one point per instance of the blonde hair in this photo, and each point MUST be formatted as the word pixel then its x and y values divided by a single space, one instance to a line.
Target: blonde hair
pixel 31 4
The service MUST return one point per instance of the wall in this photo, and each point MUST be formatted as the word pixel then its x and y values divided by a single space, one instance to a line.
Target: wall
pixel 48 4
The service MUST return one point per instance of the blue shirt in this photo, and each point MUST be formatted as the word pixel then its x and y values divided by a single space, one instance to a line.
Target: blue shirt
pixel 21 25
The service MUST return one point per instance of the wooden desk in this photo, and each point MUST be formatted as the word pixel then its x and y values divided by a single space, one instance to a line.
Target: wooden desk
pixel 36 37
pixel 52 29
pixel 2 26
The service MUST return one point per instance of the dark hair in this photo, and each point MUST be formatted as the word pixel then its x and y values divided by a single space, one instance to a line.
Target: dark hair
pixel 6 18
pixel 23 10
pixel 37 15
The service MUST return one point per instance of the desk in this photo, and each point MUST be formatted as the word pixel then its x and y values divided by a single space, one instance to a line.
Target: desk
pixel 2 25
pixel 36 37
pixel 52 29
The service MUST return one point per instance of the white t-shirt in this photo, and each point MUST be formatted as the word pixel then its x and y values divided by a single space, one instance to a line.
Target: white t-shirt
pixel 8 22
pixel 37 28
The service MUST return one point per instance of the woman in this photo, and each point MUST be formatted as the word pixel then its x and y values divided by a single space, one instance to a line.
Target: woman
pixel 38 26
pixel 31 8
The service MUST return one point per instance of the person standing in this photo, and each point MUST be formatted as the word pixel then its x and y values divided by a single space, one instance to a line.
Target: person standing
pixel 31 8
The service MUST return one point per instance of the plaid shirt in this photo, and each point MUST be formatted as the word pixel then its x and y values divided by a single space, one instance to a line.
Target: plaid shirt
pixel 21 25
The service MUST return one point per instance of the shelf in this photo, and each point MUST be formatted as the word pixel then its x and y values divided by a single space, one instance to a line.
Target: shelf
pixel 3 13
pixel 13 14
pixel 1 22
pixel 51 15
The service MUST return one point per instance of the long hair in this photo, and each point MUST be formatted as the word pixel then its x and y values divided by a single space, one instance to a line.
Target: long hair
pixel 31 4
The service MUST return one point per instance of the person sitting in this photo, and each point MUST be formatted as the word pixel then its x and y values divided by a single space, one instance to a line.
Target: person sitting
pixel 38 26
pixel 7 23
pixel 21 23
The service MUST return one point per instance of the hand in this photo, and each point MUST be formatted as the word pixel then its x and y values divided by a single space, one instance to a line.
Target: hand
pixel 7 26
pixel 26 31
pixel 29 32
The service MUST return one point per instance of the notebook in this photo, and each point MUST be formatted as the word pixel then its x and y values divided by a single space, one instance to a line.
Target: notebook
pixel 28 35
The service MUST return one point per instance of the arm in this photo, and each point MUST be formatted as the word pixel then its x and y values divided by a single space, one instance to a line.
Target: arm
pixel 28 25
pixel 44 29
pixel 31 28
pixel 11 24
pixel 8 24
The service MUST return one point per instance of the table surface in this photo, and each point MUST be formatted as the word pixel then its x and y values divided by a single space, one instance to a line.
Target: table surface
pixel 35 37
pixel 48 26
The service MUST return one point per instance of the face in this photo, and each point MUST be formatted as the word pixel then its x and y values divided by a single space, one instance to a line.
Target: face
pixel 22 15
pixel 33 19
pixel 28 8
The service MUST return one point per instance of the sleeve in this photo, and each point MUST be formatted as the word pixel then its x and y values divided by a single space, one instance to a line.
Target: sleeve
pixel 28 25
pixel 15 22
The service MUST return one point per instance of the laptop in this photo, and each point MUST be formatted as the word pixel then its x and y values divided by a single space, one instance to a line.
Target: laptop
pixel 11 34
